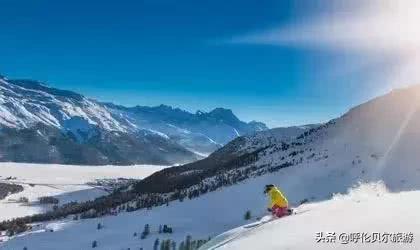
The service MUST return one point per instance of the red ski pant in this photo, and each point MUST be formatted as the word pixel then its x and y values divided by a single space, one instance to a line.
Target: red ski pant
pixel 279 211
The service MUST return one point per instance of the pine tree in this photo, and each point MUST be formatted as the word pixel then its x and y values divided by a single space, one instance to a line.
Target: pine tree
pixel 156 244
pixel 162 245
pixel 94 244
pixel 181 246
pixel 145 232
pixel 168 245
pixel 147 229
pixel 188 243
pixel 247 215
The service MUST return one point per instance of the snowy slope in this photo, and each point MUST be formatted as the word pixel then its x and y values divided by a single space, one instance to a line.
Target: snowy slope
pixel 365 205
pixel 66 182
pixel 367 209
pixel 269 138
pixel 377 140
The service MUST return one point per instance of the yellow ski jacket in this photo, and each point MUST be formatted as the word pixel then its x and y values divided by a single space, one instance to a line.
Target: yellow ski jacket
pixel 277 198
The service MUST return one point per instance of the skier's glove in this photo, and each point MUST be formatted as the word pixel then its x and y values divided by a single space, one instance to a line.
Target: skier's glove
pixel 269 209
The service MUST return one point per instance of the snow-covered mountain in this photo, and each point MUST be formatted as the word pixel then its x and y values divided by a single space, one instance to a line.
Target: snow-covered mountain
pixel 25 103
pixel 377 141
pixel 65 127
pixel 201 132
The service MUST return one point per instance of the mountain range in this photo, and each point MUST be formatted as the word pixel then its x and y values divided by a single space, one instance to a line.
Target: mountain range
pixel 41 124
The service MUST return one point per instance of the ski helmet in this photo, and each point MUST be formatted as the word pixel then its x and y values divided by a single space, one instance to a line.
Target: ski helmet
pixel 268 187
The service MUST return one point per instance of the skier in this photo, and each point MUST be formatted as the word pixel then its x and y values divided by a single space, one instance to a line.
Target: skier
pixel 278 203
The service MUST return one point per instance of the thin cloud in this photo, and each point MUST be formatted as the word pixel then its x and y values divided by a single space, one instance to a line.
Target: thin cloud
pixel 385 30
pixel 386 26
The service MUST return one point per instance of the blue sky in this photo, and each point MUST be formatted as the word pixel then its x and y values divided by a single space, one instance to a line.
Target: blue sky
pixel 189 54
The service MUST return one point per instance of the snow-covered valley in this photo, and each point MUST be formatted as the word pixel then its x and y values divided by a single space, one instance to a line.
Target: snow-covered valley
pixel 66 182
